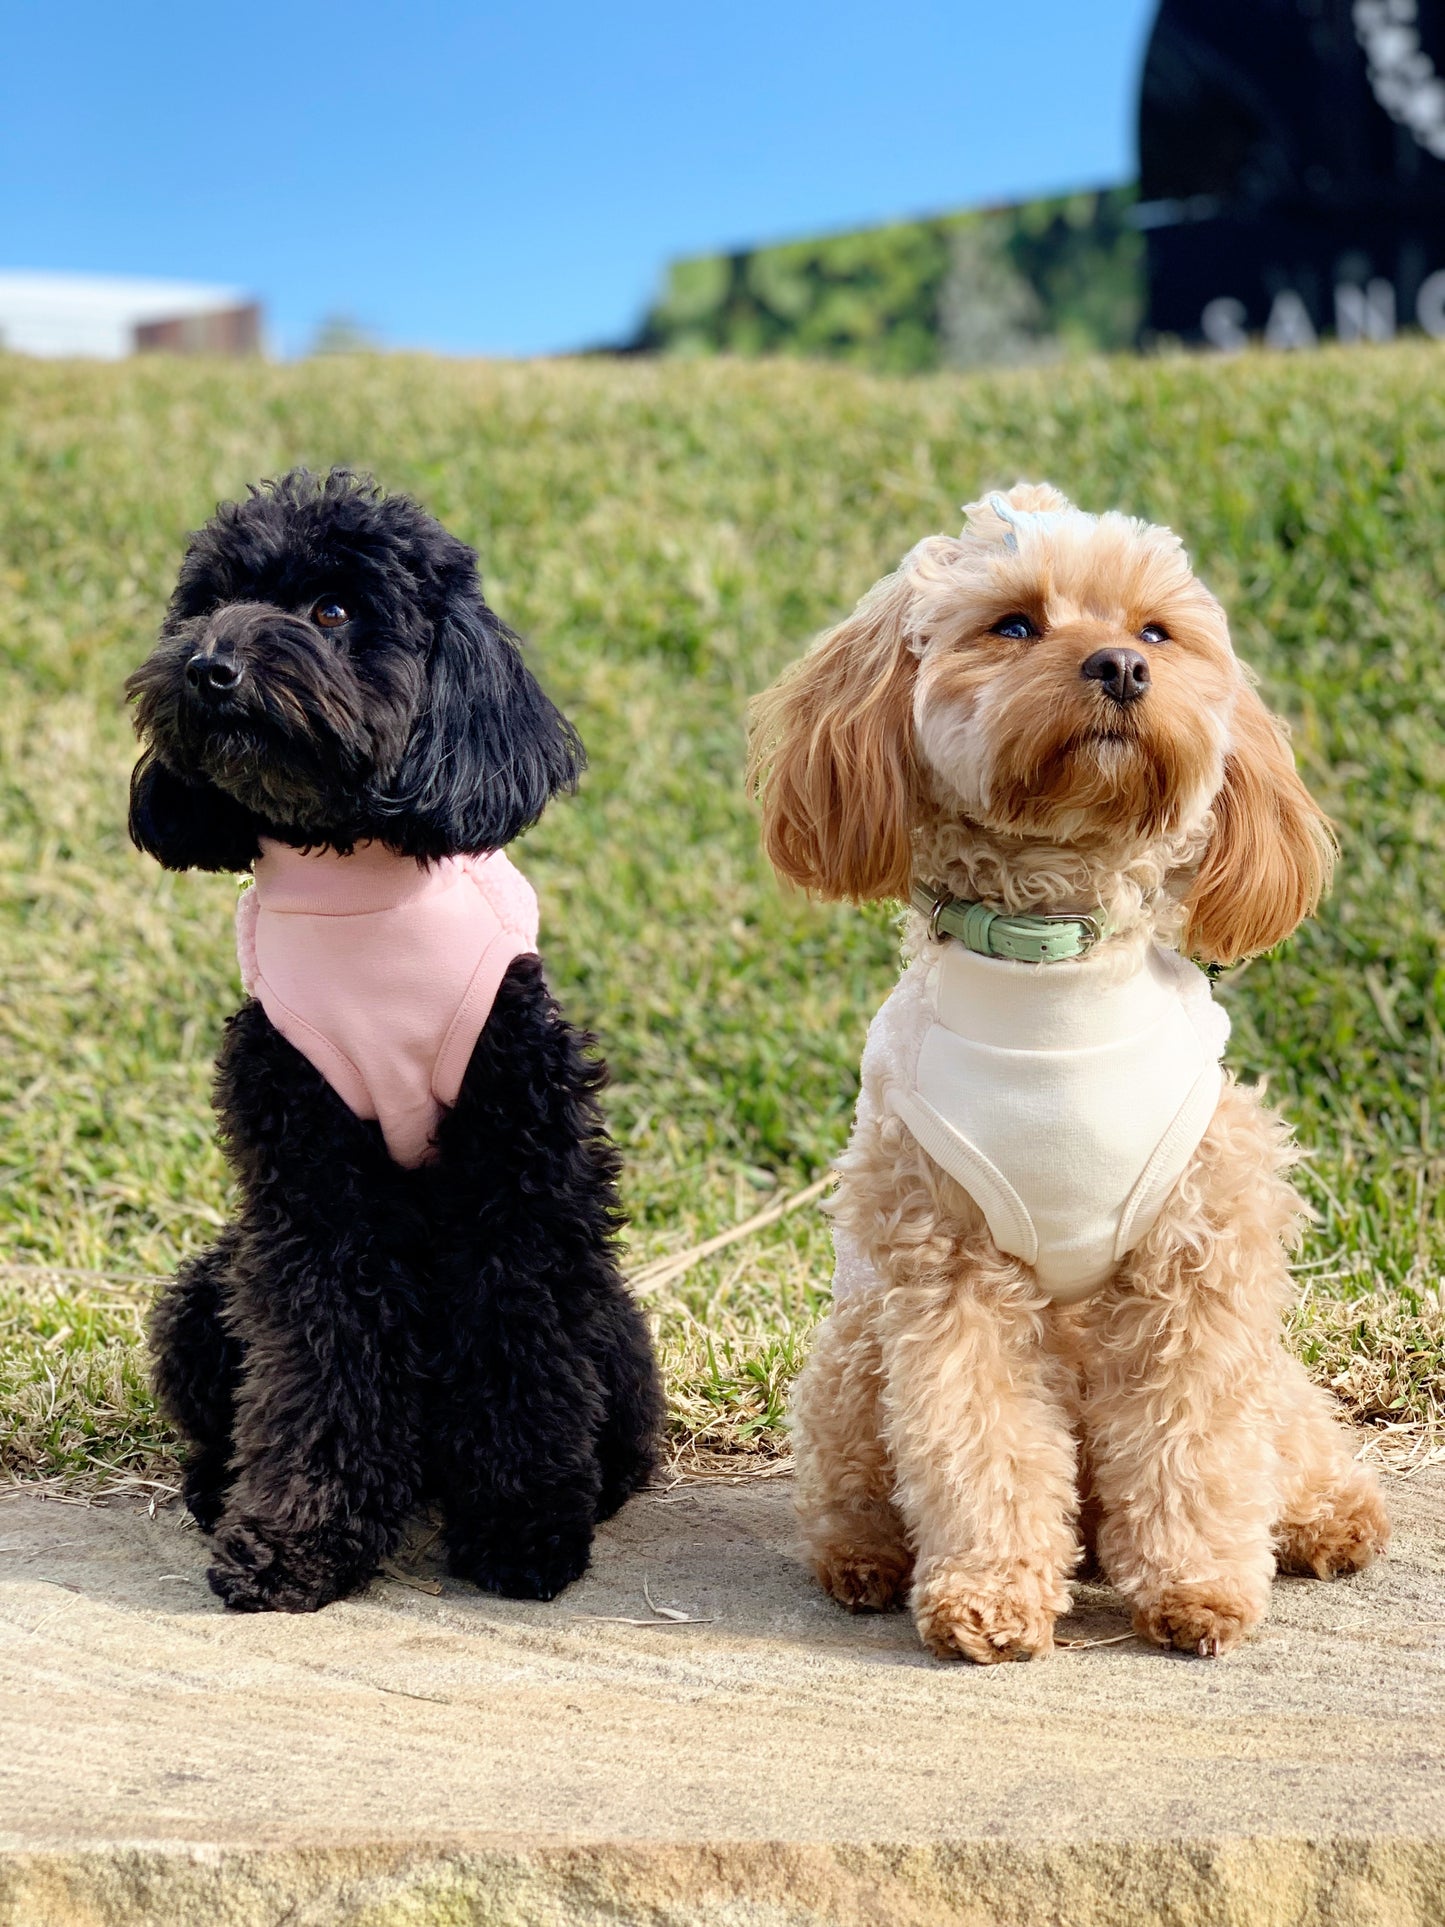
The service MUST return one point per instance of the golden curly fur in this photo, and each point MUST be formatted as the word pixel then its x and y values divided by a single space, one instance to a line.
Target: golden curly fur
pixel 963 1441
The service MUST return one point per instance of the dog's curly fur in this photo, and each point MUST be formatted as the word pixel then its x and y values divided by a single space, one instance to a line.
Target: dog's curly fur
pixel 963 1442
pixel 364 1339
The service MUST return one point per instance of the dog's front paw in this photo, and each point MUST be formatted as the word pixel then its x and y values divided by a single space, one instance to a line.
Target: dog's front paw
pixel 1344 1537
pixel 259 1570
pixel 864 1579
pixel 1207 1617
pixel 988 1613
pixel 533 1560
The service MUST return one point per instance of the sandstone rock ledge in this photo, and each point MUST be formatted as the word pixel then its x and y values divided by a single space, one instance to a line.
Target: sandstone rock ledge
pixel 422 1754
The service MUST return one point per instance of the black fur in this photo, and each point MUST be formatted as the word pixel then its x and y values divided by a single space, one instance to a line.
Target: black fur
pixel 365 1339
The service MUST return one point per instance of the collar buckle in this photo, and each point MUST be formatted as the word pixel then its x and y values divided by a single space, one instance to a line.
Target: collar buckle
pixel 1093 928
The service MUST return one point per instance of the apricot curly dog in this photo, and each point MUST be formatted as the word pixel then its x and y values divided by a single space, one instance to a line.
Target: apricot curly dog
pixel 1061 1228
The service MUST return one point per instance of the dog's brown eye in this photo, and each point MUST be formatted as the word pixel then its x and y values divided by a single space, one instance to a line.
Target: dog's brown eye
pixel 1153 632
pixel 1016 628
pixel 329 613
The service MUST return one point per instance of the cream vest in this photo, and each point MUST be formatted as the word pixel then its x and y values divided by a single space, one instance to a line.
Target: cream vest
pixel 1066 1099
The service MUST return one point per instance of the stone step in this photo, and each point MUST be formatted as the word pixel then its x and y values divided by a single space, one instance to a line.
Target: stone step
pixel 424 1754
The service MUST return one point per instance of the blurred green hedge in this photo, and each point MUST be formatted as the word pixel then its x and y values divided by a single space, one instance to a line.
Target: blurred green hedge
pixel 995 286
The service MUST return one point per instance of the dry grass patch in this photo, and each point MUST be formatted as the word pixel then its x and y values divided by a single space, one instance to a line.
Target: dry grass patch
pixel 1383 1357
pixel 732 1326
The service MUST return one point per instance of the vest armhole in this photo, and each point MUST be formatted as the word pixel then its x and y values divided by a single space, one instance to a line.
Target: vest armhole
pixel 1007 1216
pixel 472 1013
pixel 1168 1160
pixel 314 1045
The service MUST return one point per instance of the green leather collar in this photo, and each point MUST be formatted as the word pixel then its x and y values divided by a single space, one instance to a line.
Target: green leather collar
pixel 1041 939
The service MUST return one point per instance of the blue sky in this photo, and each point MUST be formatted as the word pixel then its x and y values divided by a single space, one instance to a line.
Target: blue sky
pixel 509 179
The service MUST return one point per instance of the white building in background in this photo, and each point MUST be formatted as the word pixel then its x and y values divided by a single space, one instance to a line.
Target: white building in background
pixel 107 316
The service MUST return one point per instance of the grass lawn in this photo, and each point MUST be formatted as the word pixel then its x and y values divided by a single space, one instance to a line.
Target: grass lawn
pixel 669 535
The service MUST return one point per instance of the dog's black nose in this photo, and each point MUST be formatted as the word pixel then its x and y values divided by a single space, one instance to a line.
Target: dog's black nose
pixel 1124 673
pixel 212 675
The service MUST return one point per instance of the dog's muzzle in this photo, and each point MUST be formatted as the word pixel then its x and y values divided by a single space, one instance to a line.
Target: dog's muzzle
pixel 244 648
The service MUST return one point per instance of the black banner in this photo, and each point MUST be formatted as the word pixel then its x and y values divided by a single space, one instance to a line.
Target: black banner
pixel 1292 170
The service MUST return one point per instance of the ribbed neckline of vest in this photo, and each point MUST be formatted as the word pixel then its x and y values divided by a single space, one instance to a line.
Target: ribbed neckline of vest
pixel 323 883
pixel 1079 1005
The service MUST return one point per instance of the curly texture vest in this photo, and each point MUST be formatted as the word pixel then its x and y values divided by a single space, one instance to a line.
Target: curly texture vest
pixel 1065 1098
pixel 383 971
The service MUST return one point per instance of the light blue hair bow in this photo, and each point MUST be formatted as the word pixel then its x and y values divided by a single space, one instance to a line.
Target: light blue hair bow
pixel 1045 520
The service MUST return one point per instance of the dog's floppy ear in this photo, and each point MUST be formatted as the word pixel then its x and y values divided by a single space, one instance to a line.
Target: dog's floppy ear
pixel 831 756
pixel 1272 852
pixel 488 749
pixel 186 825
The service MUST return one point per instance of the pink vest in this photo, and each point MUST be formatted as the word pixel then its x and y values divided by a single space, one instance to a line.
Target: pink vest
pixel 383 970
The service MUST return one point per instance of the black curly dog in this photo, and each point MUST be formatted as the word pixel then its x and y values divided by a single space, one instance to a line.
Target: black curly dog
pixel 365 1339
